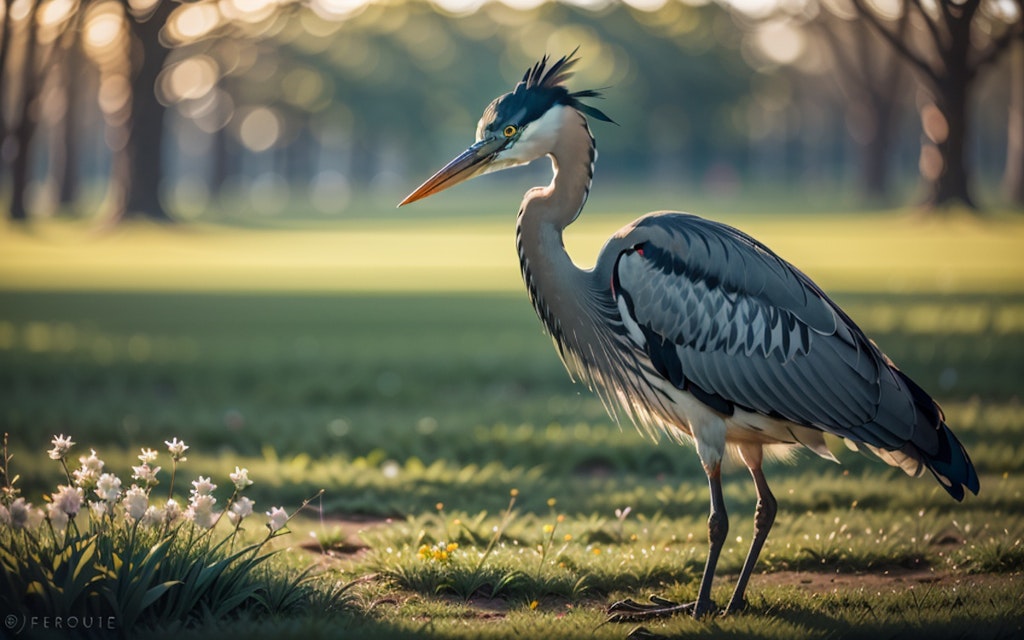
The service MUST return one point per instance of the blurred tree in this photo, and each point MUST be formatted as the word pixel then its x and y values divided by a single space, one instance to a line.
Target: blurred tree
pixel 1013 176
pixel 144 147
pixel 41 83
pixel 25 125
pixel 5 47
pixel 72 68
pixel 870 78
pixel 960 40
pixel 229 98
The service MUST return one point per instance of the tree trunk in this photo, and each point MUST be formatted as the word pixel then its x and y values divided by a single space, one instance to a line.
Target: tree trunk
pixel 952 185
pixel 25 129
pixel 1013 176
pixel 146 124
pixel 67 156
pixel 5 46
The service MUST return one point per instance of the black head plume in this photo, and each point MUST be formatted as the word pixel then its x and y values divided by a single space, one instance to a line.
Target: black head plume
pixel 541 88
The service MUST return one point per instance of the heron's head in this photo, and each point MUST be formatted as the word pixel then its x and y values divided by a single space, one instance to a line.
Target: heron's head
pixel 517 127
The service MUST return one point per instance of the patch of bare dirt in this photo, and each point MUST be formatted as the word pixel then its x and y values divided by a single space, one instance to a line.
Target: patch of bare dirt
pixel 894 579
pixel 342 535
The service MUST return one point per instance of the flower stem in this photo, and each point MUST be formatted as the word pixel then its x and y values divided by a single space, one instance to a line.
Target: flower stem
pixel 505 519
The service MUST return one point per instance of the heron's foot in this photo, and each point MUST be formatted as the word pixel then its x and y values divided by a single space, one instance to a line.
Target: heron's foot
pixel 735 606
pixel 629 610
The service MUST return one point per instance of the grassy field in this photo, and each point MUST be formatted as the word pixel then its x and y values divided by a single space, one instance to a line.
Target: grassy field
pixel 396 365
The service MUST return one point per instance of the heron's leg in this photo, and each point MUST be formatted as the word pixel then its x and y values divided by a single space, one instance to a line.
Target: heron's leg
pixel 718 529
pixel 764 517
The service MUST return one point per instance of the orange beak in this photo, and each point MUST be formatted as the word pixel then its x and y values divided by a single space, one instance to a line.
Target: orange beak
pixel 470 163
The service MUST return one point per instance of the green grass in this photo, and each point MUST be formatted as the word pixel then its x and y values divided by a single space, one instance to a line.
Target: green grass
pixel 439 246
pixel 398 390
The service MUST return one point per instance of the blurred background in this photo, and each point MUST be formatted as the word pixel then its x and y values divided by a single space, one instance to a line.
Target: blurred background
pixel 241 109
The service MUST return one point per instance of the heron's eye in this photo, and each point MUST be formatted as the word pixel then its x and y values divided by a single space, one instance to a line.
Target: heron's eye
pixel 510 131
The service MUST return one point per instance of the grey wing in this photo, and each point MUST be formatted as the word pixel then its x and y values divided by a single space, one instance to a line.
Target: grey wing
pixel 723 317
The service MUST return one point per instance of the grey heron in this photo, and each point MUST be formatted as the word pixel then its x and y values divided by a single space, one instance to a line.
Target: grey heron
pixel 695 329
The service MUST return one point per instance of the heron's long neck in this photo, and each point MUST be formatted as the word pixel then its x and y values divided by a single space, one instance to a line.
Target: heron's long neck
pixel 555 283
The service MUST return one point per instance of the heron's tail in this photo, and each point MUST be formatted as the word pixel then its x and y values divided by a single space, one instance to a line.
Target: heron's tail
pixel 951 466
pixel 944 455
pixel 931 445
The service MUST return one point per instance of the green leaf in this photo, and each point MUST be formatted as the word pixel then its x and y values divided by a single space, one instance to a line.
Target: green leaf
pixel 155 592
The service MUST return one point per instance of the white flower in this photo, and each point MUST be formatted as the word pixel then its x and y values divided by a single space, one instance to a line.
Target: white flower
pixel 98 509
pixel 108 488
pixel 89 473
pixel 19 513
pixel 203 502
pixel 241 509
pixel 58 518
pixel 91 462
pixel 68 500
pixel 146 474
pixel 241 478
pixel 5 516
pixel 153 517
pixel 23 516
pixel 202 487
pixel 172 511
pixel 200 510
pixel 148 456
pixel 278 518
pixel 177 449
pixel 85 478
pixel 136 501
pixel 61 445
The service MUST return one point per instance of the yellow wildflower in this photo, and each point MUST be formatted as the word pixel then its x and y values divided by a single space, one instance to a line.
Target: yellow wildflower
pixel 440 552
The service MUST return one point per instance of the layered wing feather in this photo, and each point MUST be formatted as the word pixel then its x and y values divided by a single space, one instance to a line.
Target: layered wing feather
pixel 726 319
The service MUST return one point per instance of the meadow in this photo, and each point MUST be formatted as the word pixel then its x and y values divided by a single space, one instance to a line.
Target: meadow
pixel 396 365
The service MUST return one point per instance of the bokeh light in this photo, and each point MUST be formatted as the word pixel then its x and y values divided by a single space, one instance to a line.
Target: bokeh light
pixel 331 192
pixel 193 21
pixel 115 91
pixel 251 11
pixel 51 15
pixel 891 9
pixel 260 129
pixel 646 5
pixel 189 79
pixel 780 41
pixel 105 33
pixel 336 9
pixel 934 123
